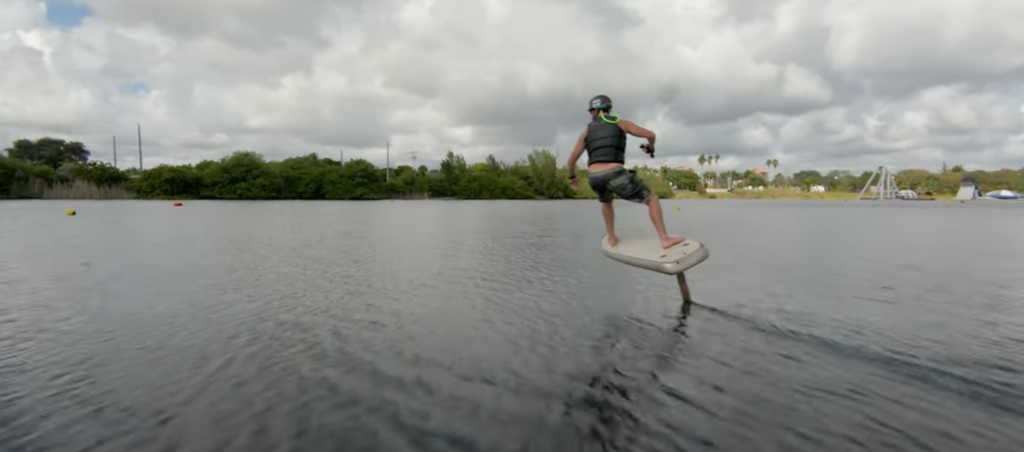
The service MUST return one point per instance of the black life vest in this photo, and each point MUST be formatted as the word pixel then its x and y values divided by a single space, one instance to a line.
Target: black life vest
pixel 605 142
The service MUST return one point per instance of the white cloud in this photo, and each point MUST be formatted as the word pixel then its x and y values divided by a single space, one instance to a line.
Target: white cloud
pixel 19 15
pixel 813 83
pixel 943 40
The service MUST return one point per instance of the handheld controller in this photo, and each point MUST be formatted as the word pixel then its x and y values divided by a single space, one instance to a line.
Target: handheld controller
pixel 648 149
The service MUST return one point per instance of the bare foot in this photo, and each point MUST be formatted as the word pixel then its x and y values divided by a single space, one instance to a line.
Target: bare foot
pixel 669 242
pixel 612 241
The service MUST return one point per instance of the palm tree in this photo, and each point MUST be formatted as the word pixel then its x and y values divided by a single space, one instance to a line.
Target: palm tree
pixel 702 160
pixel 774 163
pixel 717 158
pixel 732 176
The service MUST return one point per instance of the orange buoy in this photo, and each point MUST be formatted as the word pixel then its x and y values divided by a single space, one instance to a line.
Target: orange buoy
pixel 177 204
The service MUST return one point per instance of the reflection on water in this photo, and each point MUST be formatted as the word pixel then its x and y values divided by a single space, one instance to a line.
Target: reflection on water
pixel 495 326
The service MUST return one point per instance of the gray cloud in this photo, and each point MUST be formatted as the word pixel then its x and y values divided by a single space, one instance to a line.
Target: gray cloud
pixel 813 83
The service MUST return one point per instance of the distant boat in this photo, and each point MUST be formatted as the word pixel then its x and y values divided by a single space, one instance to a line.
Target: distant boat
pixel 1002 194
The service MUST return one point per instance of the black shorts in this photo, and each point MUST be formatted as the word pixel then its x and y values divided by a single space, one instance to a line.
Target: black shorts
pixel 619 181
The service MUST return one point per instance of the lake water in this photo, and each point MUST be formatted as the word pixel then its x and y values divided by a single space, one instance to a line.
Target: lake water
pixel 499 326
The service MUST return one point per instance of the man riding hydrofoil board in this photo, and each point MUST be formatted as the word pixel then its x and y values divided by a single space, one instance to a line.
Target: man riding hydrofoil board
pixel 605 142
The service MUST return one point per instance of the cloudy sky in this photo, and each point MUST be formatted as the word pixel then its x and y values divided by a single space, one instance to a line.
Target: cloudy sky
pixel 821 84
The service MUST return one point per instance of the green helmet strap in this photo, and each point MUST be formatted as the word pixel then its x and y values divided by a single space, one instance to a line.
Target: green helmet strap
pixel 614 118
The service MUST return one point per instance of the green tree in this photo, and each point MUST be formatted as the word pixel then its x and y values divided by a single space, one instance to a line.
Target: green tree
pixel 543 176
pixel 805 179
pixel 49 151
pixel 356 179
pixel 779 180
pixel 165 181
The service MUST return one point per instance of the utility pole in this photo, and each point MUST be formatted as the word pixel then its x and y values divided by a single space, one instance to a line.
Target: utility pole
pixel 387 175
pixel 341 156
pixel 413 154
pixel 115 151
pixel 139 127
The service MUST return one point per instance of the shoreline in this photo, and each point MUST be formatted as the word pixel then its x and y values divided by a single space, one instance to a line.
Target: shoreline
pixel 676 197
pixel 772 194
pixel 787 194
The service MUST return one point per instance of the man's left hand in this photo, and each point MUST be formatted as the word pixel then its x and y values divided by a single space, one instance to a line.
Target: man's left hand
pixel 575 183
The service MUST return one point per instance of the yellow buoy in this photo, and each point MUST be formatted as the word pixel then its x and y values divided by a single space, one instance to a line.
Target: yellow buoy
pixel 71 212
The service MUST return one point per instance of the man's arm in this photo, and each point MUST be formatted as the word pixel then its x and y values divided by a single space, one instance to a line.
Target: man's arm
pixel 631 128
pixel 570 167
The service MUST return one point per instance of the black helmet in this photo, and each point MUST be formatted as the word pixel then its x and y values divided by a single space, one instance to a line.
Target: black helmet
pixel 600 102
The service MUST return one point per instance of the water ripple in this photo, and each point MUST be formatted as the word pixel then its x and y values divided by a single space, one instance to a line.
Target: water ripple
pixel 498 326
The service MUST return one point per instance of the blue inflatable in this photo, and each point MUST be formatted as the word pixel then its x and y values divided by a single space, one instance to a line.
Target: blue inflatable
pixel 1002 194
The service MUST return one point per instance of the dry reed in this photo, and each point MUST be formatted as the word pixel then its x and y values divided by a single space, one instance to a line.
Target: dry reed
pixel 80 190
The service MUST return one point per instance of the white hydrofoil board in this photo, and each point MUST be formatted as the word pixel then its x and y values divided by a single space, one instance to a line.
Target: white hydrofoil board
pixel 646 253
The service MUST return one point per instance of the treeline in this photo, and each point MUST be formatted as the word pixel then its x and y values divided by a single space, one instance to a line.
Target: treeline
pixel 947 181
pixel 924 182
pixel 38 169
pixel 51 168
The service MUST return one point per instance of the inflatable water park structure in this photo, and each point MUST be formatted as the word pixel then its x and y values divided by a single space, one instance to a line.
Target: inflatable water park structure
pixel 886 188
pixel 969 190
